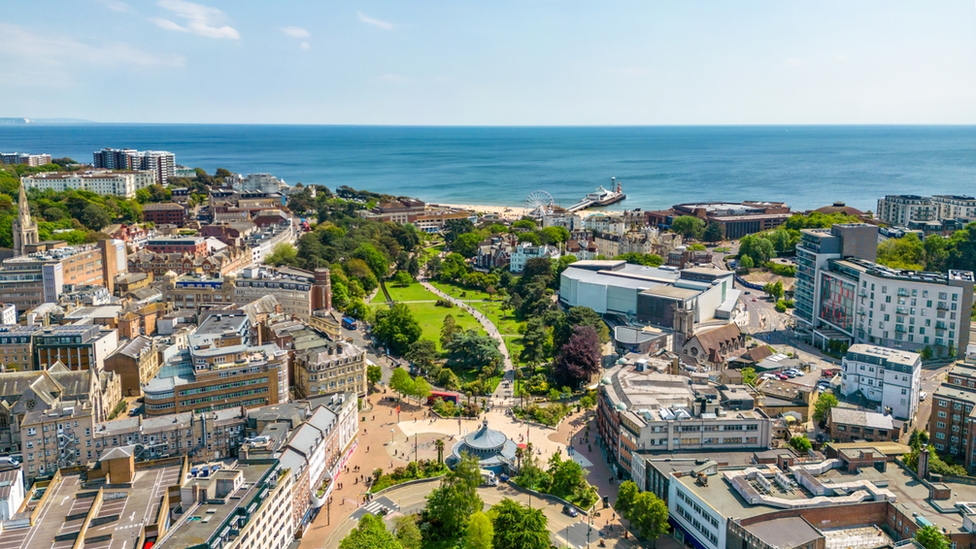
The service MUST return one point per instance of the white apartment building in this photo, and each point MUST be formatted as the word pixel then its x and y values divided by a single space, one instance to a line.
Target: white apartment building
pixel 955 207
pixel 568 220
pixel 104 182
pixel 605 224
pixel 260 183
pixel 890 377
pixel 162 164
pixel 696 516
pixel 903 209
pixel 525 251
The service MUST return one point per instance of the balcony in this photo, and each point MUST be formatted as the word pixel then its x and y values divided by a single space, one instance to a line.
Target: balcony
pixel 942 306
pixel 903 292
pixel 863 293
pixel 861 311
pixel 901 310
pixel 899 328
pixel 940 325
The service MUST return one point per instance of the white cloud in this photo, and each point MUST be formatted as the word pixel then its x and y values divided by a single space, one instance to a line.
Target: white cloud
pixel 794 62
pixel 115 5
pixel 306 46
pixel 46 50
pixel 296 32
pixel 200 19
pixel 375 22
pixel 840 57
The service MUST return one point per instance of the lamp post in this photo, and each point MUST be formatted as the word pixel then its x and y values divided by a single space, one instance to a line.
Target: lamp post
pixel 392 431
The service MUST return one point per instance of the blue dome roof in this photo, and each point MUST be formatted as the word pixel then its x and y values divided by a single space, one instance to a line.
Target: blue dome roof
pixel 485 438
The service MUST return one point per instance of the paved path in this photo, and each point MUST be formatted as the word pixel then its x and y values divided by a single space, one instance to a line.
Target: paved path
pixel 503 395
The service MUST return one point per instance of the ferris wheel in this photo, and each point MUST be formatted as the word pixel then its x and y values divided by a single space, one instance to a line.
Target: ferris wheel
pixel 539 203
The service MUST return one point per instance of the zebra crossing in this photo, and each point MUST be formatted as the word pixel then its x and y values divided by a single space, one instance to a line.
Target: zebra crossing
pixel 378 507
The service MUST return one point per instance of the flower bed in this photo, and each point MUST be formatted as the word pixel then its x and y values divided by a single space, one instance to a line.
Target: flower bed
pixel 413 471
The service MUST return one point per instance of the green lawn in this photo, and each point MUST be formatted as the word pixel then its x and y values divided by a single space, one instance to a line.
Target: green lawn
pixel 431 319
pixel 379 298
pixel 413 292
pixel 502 319
pixel 456 292
pixel 514 346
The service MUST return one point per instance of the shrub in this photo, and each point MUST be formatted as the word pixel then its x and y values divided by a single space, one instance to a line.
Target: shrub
pixel 547 415
pixel 412 471
pixel 444 303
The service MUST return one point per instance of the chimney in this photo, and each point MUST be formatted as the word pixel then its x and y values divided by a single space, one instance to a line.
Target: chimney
pixel 674 366
pixel 923 463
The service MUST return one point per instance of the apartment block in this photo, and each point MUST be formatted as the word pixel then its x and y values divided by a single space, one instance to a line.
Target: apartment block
pixel 17 346
pixel 137 362
pixel 32 160
pixel 525 251
pixel 104 182
pixel 904 209
pixel 192 245
pixel 162 164
pixel 164 214
pixel 952 425
pixel 891 378
pixel 605 224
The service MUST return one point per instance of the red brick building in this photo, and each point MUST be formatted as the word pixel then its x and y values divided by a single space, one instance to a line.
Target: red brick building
pixel 165 214
pixel 192 245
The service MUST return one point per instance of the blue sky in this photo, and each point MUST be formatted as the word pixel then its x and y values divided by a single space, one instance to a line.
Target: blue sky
pixel 499 62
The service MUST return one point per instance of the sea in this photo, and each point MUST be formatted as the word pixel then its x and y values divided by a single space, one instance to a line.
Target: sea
pixel 805 166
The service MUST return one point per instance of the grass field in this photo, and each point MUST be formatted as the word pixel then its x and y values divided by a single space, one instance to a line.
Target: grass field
pixel 431 319
pixel 514 346
pixel 456 292
pixel 413 292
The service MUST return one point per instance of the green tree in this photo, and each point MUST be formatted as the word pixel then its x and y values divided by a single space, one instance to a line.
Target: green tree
pixel 358 309
pixel 625 498
pixel 283 254
pixel 467 244
pixel 918 439
pixel 649 260
pixel 400 382
pixel 746 262
pixel 749 376
pixel 554 235
pixel 713 232
pixel 697 247
pixel 451 505
pixel 403 279
pixel 377 262
pixel 94 217
pixel 931 537
pixel 479 532
pixel 564 325
pixel 824 403
pixel 688 226
pixel 420 389
pixel 448 330
pixel 535 342
pixel 801 444
pixel 407 532
pixel 370 534
pixel 373 374
pixel 649 515
pixel 471 350
pixel 907 252
pixel 926 353
pixel 422 353
pixel 518 527
pixel 568 478
pixel 397 328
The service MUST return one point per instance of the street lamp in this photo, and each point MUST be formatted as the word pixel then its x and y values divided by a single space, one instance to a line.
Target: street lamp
pixel 391 434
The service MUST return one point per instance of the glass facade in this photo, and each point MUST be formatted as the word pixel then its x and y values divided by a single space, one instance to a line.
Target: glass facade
pixel 837 302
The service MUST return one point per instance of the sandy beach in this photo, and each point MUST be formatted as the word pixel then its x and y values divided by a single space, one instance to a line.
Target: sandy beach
pixel 514 212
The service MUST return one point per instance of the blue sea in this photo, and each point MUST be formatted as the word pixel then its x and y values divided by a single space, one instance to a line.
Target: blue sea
pixel 804 166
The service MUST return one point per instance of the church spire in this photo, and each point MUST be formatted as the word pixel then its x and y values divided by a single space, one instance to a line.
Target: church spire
pixel 24 228
pixel 23 208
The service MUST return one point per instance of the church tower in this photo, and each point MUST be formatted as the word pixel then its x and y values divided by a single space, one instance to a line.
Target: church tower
pixel 25 228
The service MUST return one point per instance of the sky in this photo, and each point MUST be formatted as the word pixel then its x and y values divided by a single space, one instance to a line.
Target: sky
pixel 498 62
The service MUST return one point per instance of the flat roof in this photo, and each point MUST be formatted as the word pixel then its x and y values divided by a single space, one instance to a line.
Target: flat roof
pixel 784 533
pixel 666 290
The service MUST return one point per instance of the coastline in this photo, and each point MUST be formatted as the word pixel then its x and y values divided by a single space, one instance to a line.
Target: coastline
pixel 513 212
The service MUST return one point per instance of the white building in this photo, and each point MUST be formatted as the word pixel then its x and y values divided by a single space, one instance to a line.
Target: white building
pixel 261 183
pixel 903 209
pixel 890 377
pixel 696 516
pixel 605 224
pixel 955 207
pixel 568 220
pixel 526 251
pixel 162 164
pixel 8 314
pixel 104 182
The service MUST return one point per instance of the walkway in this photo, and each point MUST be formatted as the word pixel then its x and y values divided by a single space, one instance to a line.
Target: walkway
pixel 503 395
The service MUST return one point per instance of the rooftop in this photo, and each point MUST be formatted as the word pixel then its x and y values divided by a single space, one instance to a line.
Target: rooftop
pixel 862 418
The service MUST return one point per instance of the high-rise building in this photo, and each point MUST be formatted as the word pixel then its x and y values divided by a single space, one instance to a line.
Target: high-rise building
pixel 816 246
pixel 24 158
pixel 24 227
pixel 161 163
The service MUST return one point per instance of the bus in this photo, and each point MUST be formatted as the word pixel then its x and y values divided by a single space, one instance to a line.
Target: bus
pixel 349 323
pixel 446 397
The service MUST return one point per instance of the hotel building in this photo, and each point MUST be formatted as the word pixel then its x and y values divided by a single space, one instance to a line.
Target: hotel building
pixel 104 182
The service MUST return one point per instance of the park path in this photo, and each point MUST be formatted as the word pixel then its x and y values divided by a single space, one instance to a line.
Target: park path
pixel 503 395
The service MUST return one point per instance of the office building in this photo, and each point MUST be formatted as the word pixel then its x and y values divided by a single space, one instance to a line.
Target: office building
pixel 104 182
pixel 137 362
pixel 161 164
pixel 735 219
pixel 38 277
pixel 336 367
pixel 643 409
pixel 889 378
pixel 83 347
pixel 192 245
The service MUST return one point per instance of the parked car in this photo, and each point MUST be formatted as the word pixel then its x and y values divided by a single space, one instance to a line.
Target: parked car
pixel 569 510
pixel 783 377
pixel 922 396
pixel 820 437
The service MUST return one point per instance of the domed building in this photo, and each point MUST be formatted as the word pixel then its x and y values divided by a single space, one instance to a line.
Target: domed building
pixel 491 447
pixel 840 207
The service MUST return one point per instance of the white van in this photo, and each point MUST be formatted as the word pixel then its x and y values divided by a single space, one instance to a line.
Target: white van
pixel 488 478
